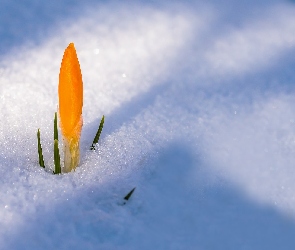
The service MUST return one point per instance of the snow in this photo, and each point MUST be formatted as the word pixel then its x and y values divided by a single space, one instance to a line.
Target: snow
pixel 198 99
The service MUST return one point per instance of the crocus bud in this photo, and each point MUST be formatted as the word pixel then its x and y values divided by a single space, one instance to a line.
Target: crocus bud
pixel 70 92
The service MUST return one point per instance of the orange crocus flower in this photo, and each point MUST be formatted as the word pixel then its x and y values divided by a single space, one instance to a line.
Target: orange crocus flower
pixel 70 91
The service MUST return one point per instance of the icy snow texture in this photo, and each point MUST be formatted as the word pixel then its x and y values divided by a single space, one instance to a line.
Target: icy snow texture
pixel 199 106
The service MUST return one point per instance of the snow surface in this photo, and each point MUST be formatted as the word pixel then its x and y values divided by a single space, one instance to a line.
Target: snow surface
pixel 200 117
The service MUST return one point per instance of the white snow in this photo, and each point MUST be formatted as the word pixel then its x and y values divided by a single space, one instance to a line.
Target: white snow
pixel 198 99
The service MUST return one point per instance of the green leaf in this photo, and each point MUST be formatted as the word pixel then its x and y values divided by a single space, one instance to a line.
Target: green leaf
pixel 96 138
pixel 127 197
pixel 41 160
pixel 57 168
pixel 55 127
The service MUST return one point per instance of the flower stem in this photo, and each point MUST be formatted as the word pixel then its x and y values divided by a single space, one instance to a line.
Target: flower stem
pixel 71 154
